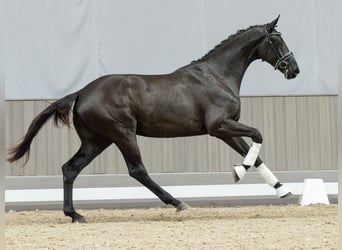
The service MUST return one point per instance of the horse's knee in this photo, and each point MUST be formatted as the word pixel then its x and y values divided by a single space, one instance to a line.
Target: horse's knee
pixel 256 136
pixel 231 128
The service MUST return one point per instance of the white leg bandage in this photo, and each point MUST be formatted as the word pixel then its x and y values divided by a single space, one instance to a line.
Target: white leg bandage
pixel 283 191
pixel 267 174
pixel 239 172
pixel 270 179
pixel 252 154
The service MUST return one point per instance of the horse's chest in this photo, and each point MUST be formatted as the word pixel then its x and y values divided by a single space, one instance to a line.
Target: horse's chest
pixel 227 103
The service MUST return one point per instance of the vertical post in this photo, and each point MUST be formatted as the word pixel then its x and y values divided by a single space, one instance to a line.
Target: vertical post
pixel 2 161
pixel 339 149
pixel 2 146
pixel 2 125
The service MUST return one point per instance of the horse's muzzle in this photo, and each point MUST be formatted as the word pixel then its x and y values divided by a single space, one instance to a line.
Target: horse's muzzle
pixel 291 73
pixel 290 69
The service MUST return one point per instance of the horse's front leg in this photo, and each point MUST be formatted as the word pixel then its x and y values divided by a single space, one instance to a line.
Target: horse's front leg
pixel 240 146
pixel 231 131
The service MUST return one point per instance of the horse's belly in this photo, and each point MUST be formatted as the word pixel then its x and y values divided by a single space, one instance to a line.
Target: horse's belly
pixel 160 129
pixel 170 116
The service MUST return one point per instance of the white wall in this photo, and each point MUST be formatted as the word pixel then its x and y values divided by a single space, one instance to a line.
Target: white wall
pixel 55 47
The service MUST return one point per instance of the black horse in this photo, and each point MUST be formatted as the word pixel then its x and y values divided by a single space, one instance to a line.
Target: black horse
pixel 197 99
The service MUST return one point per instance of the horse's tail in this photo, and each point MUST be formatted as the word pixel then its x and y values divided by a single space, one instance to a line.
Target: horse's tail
pixel 60 109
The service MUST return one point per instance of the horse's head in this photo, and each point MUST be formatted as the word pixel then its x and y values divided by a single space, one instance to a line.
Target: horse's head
pixel 274 50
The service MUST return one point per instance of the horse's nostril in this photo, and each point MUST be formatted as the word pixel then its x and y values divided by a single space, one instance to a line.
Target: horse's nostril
pixel 297 70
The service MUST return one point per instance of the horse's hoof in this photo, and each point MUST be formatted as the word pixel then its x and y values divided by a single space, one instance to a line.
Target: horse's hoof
pixel 79 219
pixel 283 192
pixel 238 172
pixel 289 194
pixel 182 206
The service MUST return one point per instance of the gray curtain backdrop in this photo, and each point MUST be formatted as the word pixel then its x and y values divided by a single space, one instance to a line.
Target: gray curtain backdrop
pixel 53 48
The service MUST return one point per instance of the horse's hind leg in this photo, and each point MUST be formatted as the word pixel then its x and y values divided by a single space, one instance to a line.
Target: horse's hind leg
pixel 131 153
pixel 87 152
pixel 240 145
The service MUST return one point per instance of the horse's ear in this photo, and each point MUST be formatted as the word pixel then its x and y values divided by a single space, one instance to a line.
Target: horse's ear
pixel 271 26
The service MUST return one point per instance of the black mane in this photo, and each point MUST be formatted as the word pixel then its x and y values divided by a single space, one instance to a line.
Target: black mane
pixel 231 37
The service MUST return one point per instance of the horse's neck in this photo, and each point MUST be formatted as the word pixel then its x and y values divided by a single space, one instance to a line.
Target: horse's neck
pixel 232 62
